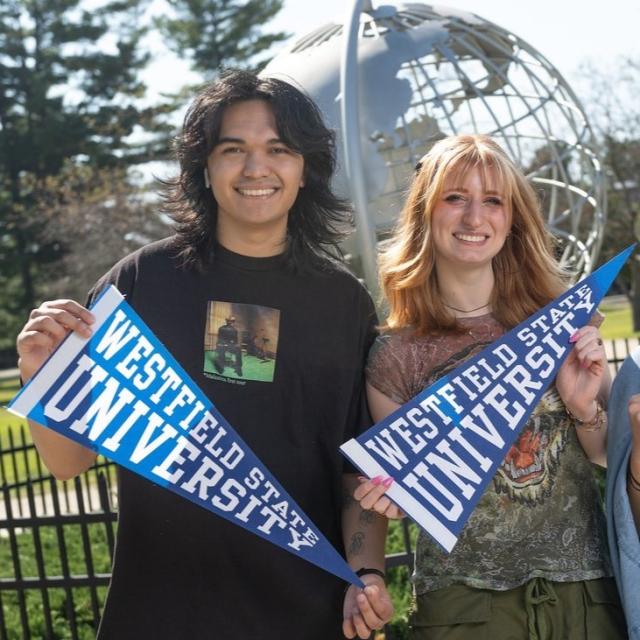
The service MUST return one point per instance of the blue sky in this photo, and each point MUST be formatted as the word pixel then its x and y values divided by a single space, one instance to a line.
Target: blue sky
pixel 567 32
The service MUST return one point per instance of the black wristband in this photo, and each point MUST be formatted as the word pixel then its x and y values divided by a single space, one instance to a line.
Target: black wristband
pixel 376 572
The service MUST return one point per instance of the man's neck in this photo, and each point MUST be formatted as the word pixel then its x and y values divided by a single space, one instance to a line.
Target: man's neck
pixel 257 244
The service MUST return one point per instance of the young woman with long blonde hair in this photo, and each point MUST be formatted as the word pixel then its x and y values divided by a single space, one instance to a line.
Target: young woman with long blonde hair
pixel 471 259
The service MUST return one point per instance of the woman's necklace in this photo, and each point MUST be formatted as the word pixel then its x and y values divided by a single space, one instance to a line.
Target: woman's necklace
pixel 486 304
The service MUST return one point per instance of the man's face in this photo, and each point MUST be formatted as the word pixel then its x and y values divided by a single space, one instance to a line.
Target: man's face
pixel 254 176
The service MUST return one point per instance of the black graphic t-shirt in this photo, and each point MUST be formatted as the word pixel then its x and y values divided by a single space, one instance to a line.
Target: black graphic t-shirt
pixel 287 373
pixel 540 516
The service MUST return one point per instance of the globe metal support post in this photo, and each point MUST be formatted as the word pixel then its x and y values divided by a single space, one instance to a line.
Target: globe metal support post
pixel 350 119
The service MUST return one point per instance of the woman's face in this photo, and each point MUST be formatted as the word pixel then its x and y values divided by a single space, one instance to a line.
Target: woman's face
pixel 470 222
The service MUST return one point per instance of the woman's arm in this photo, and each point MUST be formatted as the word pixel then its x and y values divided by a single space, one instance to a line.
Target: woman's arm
pixel 370 493
pixel 583 383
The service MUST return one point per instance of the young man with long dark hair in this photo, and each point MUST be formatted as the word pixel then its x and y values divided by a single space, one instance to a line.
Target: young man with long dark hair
pixel 257 228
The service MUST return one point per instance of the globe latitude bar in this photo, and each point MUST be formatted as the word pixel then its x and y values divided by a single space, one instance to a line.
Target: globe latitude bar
pixel 396 77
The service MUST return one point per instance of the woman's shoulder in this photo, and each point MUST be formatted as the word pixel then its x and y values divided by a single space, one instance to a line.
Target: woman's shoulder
pixel 393 343
pixel 391 364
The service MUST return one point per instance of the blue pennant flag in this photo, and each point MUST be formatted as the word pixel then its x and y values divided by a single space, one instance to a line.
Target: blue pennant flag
pixel 444 446
pixel 122 394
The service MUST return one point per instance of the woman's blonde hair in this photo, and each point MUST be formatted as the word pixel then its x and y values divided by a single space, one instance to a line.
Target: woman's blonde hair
pixel 526 274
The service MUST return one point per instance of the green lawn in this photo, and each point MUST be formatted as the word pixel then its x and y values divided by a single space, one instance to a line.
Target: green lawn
pixel 9 421
pixel 617 322
pixel 8 389
pixel 11 429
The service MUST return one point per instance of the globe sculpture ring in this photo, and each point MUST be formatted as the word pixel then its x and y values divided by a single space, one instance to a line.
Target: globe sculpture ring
pixel 420 73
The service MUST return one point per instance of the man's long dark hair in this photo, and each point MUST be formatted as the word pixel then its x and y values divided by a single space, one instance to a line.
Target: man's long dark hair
pixel 318 218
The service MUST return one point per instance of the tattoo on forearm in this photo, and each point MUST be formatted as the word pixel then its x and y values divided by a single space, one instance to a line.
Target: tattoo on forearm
pixel 366 517
pixel 356 544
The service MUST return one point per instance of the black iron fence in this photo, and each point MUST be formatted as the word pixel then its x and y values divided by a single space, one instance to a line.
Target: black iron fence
pixel 56 545
pixel 57 540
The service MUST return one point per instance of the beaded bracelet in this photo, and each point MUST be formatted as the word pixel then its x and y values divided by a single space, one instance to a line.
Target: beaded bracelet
pixel 595 424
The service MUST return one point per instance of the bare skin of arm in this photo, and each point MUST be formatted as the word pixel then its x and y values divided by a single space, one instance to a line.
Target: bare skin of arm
pixel 47 326
pixel 370 494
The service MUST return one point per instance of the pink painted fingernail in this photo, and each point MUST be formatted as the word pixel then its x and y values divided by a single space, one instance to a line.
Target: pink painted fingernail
pixel 377 480
pixel 574 337
pixel 362 479
pixel 387 482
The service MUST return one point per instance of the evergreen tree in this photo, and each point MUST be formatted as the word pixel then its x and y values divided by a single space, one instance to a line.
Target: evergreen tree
pixel 214 34
pixel 69 91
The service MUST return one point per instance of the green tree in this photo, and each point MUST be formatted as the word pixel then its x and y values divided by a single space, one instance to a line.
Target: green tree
pixel 214 34
pixel 103 216
pixel 69 91
pixel 613 109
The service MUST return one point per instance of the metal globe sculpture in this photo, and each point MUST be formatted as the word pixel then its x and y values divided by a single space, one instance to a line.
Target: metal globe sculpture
pixel 424 72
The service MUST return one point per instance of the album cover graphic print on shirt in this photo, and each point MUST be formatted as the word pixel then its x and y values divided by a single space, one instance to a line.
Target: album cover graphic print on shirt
pixel 241 341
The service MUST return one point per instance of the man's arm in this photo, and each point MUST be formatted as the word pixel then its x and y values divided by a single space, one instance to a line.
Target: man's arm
pixel 47 326
pixel 364 534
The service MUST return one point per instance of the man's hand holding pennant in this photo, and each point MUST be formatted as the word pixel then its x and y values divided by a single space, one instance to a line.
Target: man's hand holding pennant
pixel 121 393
